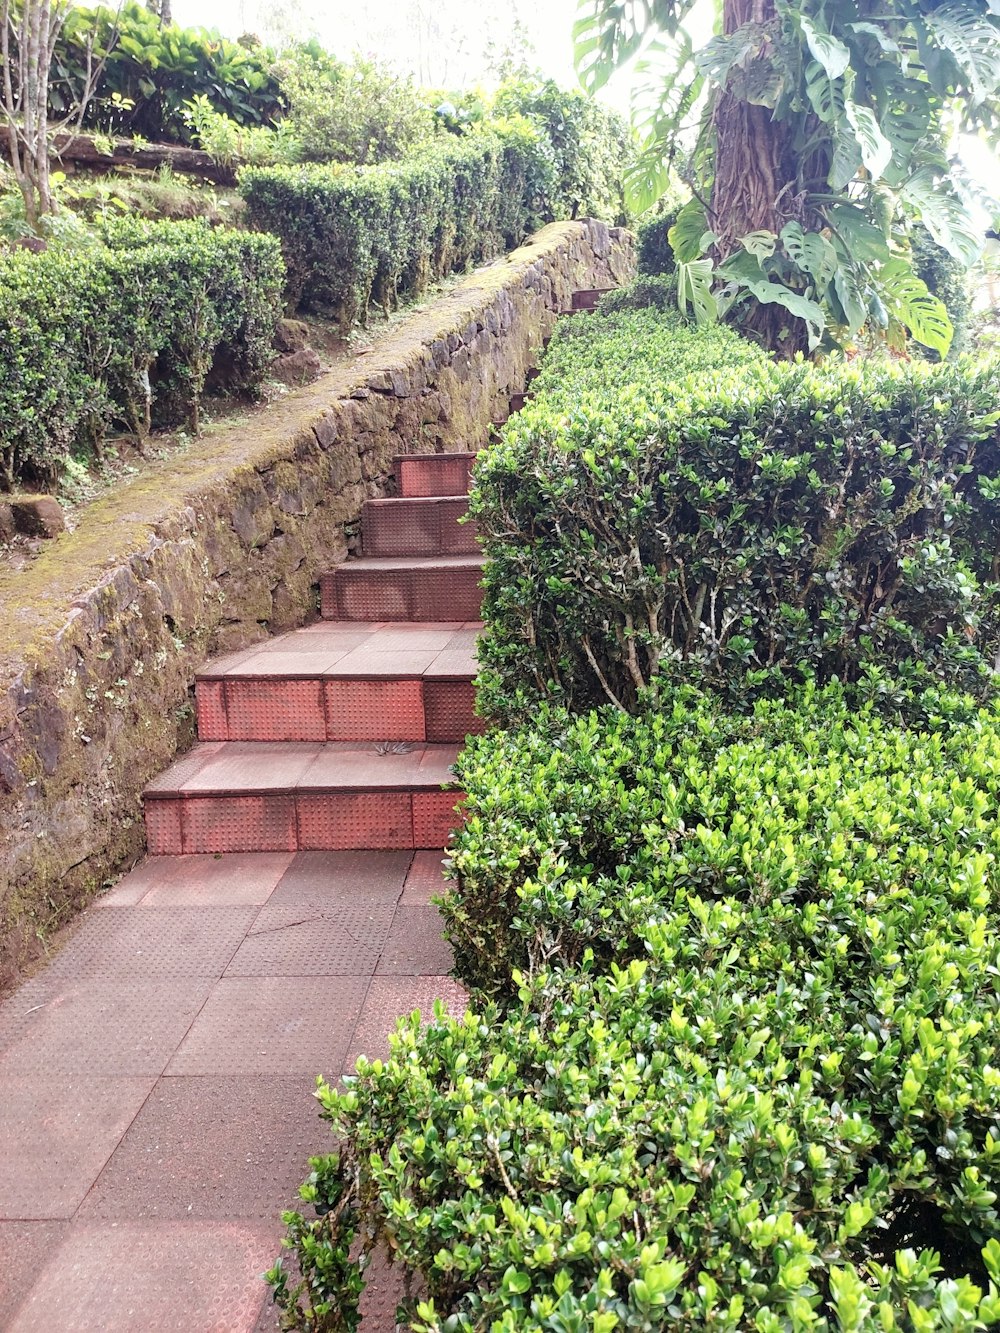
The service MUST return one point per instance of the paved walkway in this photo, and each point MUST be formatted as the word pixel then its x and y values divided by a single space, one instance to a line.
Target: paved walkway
pixel 156 1079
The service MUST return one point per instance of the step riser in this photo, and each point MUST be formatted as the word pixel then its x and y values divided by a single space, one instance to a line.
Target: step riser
pixel 307 821
pixel 418 527
pixel 349 593
pixel 423 475
pixel 336 710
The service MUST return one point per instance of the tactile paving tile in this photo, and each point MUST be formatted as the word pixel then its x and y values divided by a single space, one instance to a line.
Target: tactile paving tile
pixel 363 594
pixel 25 1248
pixel 210 705
pixel 392 998
pixel 449 710
pixel 416 945
pixel 374 710
pixel 56 1133
pixel 401 527
pixel 423 475
pixel 238 879
pixel 239 823
pixel 457 538
pixel 335 877
pixel 435 818
pixel 226 1146
pixel 171 1277
pixel 342 821
pixel 271 1025
pixel 144 943
pixel 425 879
pixel 163 827
pixel 275 710
pixel 120 1028
pixel 341 941
pixel 448 593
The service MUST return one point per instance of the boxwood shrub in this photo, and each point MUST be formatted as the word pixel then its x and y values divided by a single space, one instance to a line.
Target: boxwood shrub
pixel 127 332
pixel 673 503
pixel 354 235
pixel 766 1097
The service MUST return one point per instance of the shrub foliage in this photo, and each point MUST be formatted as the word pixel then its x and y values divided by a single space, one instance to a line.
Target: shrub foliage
pixel 127 332
pixel 766 1098
pixel 673 502
pixel 351 236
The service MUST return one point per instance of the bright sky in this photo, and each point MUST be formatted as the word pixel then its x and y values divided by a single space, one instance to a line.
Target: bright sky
pixel 441 42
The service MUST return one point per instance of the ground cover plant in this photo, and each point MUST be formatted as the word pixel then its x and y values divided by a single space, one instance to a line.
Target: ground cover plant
pixel 673 503
pixel 125 333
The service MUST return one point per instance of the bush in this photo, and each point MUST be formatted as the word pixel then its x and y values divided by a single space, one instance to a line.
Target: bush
pixel 361 113
pixel 353 235
pixel 154 70
pixel 654 253
pixel 671 504
pixel 126 332
pixel 656 291
pixel 587 146
pixel 771 1082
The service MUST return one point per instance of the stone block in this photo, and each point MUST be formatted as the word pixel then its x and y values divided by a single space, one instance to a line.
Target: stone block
pixel 37 515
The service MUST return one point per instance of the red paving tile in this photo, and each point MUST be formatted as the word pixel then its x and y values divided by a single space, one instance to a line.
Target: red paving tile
pixel 229 823
pixel 120 1028
pixel 335 941
pixel 156 942
pixel 25 1248
pixel 56 1133
pixel 153 1277
pixel 415 946
pixel 333 877
pixel 339 822
pixel 273 1025
pixel 212 1147
pixel 392 998
pixel 425 879
pixel 237 880
pixel 374 710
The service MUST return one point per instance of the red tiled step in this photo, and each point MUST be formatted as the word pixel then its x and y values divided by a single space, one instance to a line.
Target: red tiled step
pixel 253 797
pixel 345 682
pixel 587 299
pixel 422 475
pixel 427 526
pixel 439 587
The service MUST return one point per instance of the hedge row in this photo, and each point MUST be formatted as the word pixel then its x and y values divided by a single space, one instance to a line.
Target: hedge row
pixel 354 235
pixel 127 333
pixel 766 1098
pixel 673 503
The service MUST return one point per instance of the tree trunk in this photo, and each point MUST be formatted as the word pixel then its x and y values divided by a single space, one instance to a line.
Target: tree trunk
pixel 755 186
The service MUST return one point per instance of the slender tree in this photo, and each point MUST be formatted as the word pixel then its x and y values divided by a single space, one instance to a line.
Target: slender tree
pixel 823 128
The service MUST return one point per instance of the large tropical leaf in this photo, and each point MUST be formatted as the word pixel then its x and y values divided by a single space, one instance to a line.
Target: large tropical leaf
pixel 945 216
pixel 694 290
pixel 610 33
pixel 973 41
pixel 876 150
pixel 687 235
pixel 830 51
pixel 908 299
pixel 810 252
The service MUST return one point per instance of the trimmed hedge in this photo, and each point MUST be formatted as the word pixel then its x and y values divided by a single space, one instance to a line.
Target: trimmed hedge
pixel 673 504
pixel 125 333
pixel 783 1087
pixel 351 236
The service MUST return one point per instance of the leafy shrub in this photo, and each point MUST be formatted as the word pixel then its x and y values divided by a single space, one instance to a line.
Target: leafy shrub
pixel 657 291
pixel 654 253
pixel 587 145
pixel 362 112
pixel 153 71
pixel 126 332
pixel 781 1087
pixel 353 235
pixel 673 504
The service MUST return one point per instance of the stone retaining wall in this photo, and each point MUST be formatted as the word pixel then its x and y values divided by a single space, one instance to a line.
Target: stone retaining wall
pixel 101 636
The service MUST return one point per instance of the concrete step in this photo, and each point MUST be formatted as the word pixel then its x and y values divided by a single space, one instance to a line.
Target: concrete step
pixel 350 681
pixel 298 796
pixel 428 525
pixel 423 475
pixel 400 589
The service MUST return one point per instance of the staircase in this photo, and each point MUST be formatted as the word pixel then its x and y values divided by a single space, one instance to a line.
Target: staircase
pixel 341 736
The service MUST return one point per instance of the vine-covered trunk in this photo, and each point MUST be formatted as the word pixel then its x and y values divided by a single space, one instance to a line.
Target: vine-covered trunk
pixel 756 185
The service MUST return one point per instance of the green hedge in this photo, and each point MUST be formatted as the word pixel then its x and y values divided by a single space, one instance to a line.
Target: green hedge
pixel 673 504
pixel 351 236
pixel 126 333
pixel 783 1088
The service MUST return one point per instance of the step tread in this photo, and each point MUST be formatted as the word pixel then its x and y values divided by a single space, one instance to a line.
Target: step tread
pixel 401 501
pixel 390 564
pixel 466 454
pixel 360 650
pixel 242 768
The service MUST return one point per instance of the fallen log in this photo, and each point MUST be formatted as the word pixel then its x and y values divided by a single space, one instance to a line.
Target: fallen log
pixel 82 150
